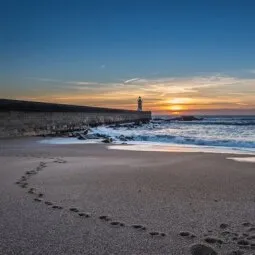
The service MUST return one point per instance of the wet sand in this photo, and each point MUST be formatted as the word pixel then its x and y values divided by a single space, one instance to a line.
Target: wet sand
pixel 86 199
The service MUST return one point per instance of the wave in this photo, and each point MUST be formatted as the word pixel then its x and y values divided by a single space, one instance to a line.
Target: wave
pixel 238 121
pixel 226 123
pixel 195 141
pixel 231 132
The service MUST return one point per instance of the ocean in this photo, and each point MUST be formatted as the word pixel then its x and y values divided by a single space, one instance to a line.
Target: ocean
pixel 235 132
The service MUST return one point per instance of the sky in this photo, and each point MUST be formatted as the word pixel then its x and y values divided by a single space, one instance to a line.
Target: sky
pixel 181 57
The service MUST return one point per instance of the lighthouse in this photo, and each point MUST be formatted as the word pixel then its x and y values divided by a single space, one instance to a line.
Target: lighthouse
pixel 139 104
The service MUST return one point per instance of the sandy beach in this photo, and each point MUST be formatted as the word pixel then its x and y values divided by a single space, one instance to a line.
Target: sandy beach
pixel 87 199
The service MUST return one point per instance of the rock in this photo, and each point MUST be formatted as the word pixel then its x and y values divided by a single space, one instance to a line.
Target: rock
pixel 201 249
pixel 185 118
pixel 101 136
pixel 92 136
pixel 81 136
pixel 85 132
pixel 123 138
pixel 107 140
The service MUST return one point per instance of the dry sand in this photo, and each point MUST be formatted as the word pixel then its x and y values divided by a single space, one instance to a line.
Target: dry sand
pixel 86 199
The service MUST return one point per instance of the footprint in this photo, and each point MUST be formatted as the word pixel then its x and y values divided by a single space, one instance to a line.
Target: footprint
pixel 157 234
pixel 24 185
pixel 86 215
pixel 38 200
pixel 73 209
pixel 115 223
pixel 226 233
pixel 187 234
pixel 247 224
pixel 154 233
pixel 243 242
pixel 213 240
pixel 237 252
pixel 201 249
pixel 224 225
pixel 139 227
pixel 31 191
pixel 252 229
pixel 40 195
pixel 104 217
pixel 57 207
pixel 48 203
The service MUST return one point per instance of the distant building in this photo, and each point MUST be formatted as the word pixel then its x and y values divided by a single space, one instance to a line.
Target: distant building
pixel 139 104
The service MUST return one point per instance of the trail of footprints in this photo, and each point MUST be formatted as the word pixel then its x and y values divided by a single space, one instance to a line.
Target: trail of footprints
pixel 243 237
pixel 23 182
pixel 244 240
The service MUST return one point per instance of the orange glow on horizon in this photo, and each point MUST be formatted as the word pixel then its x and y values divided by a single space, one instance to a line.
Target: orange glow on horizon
pixel 180 100
pixel 176 107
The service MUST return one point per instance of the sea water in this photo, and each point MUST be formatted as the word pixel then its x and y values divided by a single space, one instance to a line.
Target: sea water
pixel 219 132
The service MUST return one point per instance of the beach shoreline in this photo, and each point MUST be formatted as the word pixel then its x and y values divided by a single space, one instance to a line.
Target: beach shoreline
pixel 181 199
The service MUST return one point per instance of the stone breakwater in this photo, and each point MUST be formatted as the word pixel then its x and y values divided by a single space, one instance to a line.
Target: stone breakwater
pixel 23 118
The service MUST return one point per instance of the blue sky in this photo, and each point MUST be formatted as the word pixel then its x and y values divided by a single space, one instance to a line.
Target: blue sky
pixel 49 46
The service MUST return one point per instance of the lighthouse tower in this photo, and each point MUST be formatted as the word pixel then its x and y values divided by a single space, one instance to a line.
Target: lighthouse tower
pixel 139 104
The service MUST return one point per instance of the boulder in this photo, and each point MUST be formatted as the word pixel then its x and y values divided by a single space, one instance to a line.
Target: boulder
pixel 107 140
pixel 185 118
pixel 81 136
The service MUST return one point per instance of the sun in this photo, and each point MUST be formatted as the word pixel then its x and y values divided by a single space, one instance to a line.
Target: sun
pixel 176 108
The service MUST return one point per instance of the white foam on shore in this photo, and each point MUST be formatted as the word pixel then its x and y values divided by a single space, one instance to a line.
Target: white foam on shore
pixel 70 141
pixel 250 159
pixel 157 147
pixel 173 148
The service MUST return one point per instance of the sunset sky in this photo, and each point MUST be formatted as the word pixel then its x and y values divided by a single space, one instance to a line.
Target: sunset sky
pixel 181 57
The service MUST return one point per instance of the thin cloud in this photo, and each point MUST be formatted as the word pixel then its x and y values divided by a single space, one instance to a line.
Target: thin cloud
pixel 211 90
pixel 131 80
